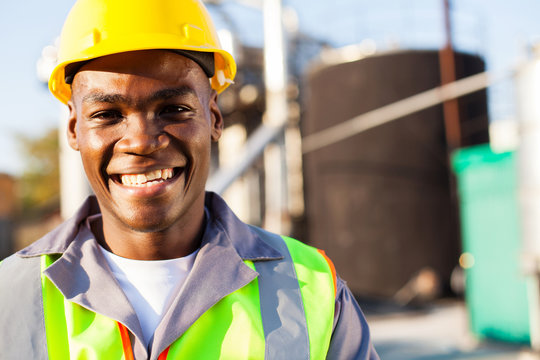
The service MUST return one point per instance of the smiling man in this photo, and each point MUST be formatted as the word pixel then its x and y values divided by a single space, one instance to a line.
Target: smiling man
pixel 143 122
pixel 152 266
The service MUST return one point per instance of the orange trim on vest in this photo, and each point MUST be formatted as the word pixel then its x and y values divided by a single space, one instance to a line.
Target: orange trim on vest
pixel 332 269
pixel 126 343
pixel 164 354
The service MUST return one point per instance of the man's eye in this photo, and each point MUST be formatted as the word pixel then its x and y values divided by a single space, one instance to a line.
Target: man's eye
pixel 174 109
pixel 109 115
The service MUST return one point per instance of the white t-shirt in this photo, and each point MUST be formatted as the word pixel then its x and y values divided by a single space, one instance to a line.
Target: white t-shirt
pixel 149 285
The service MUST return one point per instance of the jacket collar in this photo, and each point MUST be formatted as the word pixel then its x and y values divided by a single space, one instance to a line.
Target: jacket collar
pixel 246 242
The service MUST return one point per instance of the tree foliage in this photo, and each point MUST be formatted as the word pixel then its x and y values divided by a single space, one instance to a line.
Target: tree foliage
pixel 40 181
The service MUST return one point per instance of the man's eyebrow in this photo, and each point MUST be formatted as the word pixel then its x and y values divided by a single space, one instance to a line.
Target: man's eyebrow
pixel 164 94
pixel 104 98
pixel 172 93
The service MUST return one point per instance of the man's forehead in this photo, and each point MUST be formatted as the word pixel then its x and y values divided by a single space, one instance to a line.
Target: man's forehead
pixel 205 60
pixel 143 61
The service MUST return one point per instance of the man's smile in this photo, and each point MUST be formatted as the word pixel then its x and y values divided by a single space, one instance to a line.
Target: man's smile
pixel 146 179
pixel 148 183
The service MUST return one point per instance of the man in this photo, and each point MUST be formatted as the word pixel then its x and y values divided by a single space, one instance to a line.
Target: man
pixel 153 267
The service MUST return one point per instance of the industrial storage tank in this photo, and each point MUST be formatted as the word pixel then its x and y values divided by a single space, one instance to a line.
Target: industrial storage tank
pixel 382 203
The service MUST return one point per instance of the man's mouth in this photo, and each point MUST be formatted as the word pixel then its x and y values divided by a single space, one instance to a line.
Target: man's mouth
pixel 147 179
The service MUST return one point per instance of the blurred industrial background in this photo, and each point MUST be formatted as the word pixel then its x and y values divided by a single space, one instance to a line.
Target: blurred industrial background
pixel 401 137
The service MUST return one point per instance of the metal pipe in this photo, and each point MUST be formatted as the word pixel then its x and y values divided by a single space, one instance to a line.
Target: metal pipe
pixel 528 90
pixel 253 149
pixel 275 80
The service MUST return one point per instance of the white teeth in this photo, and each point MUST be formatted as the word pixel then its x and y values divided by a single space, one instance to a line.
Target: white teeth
pixel 152 175
pixel 166 173
pixel 146 179
pixel 141 178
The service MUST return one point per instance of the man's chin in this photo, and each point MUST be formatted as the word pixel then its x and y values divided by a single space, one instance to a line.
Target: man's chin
pixel 147 226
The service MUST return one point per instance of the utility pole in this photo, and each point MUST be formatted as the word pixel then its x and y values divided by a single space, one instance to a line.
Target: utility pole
pixel 452 126
pixel 448 74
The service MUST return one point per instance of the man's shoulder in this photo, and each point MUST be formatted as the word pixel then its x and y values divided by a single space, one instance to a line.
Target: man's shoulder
pixel 299 251
pixel 272 237
pixel 20 284
pixel 17 269
pixel 21 318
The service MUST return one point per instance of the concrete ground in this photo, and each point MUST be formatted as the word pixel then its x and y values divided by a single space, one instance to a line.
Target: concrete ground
pixel 439 332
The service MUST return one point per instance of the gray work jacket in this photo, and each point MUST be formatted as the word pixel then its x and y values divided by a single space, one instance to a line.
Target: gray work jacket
pixel 83 276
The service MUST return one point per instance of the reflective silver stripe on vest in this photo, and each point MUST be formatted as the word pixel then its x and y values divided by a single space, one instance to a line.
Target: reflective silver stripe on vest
pixel 282 309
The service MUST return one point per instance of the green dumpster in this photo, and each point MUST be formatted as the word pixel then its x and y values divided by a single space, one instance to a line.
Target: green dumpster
pixel 495 292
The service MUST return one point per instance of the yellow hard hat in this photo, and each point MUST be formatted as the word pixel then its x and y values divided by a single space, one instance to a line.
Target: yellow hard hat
pixel 96 28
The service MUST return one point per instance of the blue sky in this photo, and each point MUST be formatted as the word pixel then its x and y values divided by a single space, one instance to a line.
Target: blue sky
pixel 499 30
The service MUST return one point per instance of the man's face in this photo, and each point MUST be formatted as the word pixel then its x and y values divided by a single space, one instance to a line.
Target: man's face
pixel 143 122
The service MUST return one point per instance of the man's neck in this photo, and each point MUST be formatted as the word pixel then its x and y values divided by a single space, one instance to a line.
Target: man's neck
pixel 177 241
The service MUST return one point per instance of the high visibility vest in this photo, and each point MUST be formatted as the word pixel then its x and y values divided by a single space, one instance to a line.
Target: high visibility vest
pixel 246 324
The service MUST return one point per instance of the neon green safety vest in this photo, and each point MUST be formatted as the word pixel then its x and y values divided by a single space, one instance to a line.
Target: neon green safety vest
pixel 247 324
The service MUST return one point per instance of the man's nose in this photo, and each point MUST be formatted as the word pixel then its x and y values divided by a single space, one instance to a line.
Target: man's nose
pixel 142 136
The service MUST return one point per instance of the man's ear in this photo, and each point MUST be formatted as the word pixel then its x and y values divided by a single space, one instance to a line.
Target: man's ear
pixel 217 118
pixel 72 127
